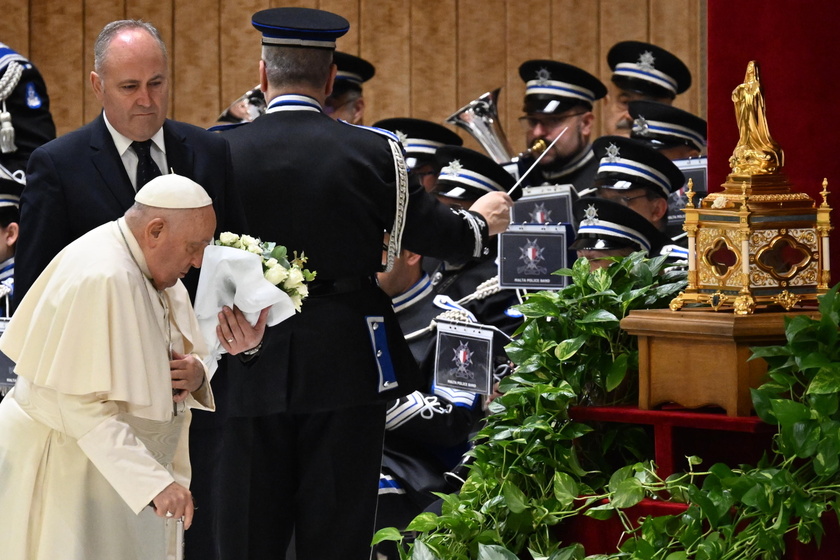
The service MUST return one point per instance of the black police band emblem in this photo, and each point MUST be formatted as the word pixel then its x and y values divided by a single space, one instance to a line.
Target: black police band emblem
pixel 463 359
pixel 532 255
pixel 540 214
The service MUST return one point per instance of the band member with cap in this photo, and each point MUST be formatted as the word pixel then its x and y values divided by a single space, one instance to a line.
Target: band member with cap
pixel 633 174
pixel 464 177
pixel 674 133
pixel 94 452
pixel 641 71
pixel 606 229
pixel 9 226
pixel 347 102
pixel 303 438
pixel 559 96
pixel 25 119
pixel 427 431
pixel 420 139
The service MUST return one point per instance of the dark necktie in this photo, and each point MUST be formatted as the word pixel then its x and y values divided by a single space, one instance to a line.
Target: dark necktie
pixel 147 169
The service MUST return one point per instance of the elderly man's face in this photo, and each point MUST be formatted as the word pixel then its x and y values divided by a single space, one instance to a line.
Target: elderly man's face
pixel 133 84
pixel 181 243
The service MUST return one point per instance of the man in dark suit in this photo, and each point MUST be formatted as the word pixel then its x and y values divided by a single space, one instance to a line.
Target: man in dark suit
pixel 89 177
pixel 303 440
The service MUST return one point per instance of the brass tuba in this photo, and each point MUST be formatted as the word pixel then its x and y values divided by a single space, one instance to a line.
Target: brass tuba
pixel 480 118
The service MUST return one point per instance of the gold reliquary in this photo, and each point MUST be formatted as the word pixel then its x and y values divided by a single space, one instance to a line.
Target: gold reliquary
pixel 757 243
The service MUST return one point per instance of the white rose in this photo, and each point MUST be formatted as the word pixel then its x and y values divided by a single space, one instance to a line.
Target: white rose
pixel 303 290
pixel 247 241
pixel 256 249
pixel 294 280
pixel 271 263
pixel 296 301
pixel 276 274
pixel 228 238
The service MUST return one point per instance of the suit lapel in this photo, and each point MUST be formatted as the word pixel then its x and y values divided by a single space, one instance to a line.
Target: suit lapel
pixel 179 155
pixel 109 165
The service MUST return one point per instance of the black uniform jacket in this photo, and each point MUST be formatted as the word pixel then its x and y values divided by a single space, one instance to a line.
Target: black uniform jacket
pixel 78 182
pixel 329 189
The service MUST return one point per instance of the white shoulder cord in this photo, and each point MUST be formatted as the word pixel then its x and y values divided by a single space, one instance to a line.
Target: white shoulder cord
pixel 395 240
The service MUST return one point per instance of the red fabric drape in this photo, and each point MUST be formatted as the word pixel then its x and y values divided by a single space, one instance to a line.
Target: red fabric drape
pixel 794 44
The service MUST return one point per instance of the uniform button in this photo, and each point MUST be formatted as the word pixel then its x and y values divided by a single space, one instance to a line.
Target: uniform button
pixel 375 326
pixel 487 250
pixel 379 353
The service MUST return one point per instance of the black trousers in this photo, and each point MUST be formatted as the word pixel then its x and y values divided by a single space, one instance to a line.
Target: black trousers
pixel 314 474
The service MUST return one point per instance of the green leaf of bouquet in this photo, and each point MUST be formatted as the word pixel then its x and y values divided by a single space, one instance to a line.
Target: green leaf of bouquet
pixel 574 551
pixel 279 252
pixel 678 555
pixel 422 552
pixel 387 534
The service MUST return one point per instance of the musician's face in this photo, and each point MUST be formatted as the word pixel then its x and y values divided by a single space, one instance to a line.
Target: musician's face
pixel 617 115
pixel 550 126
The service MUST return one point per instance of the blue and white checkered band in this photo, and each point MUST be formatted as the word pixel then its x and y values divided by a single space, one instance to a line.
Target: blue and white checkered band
pixel 616 164
pixel 600 227
pixel 645 127
pixel 293 102
pixel 348 76
pixel 421 146
pixel 644 72
pixel 457 174
pixel 559 89
pixel 295 42
pixel 9 200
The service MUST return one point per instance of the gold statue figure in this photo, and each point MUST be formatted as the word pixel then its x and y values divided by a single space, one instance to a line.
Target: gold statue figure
pixel 756 152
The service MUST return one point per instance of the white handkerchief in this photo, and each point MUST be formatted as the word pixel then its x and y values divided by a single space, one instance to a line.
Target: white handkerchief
pixel 235 277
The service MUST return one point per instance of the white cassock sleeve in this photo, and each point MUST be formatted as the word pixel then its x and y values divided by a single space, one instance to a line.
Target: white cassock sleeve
pixel 113 447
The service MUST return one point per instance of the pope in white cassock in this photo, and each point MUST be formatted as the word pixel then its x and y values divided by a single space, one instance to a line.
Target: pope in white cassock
pixel 93 445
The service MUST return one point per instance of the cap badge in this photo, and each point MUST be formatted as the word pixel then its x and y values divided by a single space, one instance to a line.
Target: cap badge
pixel 640 126
pixel 454 167
pixel 590 216
pixel 646 60
pixel 612 153
pixel 403 137
pixel 543 76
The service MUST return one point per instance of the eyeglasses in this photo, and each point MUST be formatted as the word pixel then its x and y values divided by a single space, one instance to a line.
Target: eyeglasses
pixel 548 123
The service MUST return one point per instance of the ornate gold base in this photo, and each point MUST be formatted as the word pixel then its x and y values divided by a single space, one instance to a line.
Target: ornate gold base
pixel 742 304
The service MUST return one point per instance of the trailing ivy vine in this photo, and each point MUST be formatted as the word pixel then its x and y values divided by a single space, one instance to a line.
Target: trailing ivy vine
pixel 535 467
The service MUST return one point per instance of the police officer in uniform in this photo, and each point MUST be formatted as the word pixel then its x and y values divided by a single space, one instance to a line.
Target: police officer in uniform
pixel 638 177
pixel 420 140
pixel 303 438
pixel 674 133
pixel 606 229
pixel 347 102
pixel 25 119
pixel 641 71
pixel 558 97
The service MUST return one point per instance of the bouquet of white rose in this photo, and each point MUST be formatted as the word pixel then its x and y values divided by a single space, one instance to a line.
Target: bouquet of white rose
pixel 289 276
pixel 243 271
